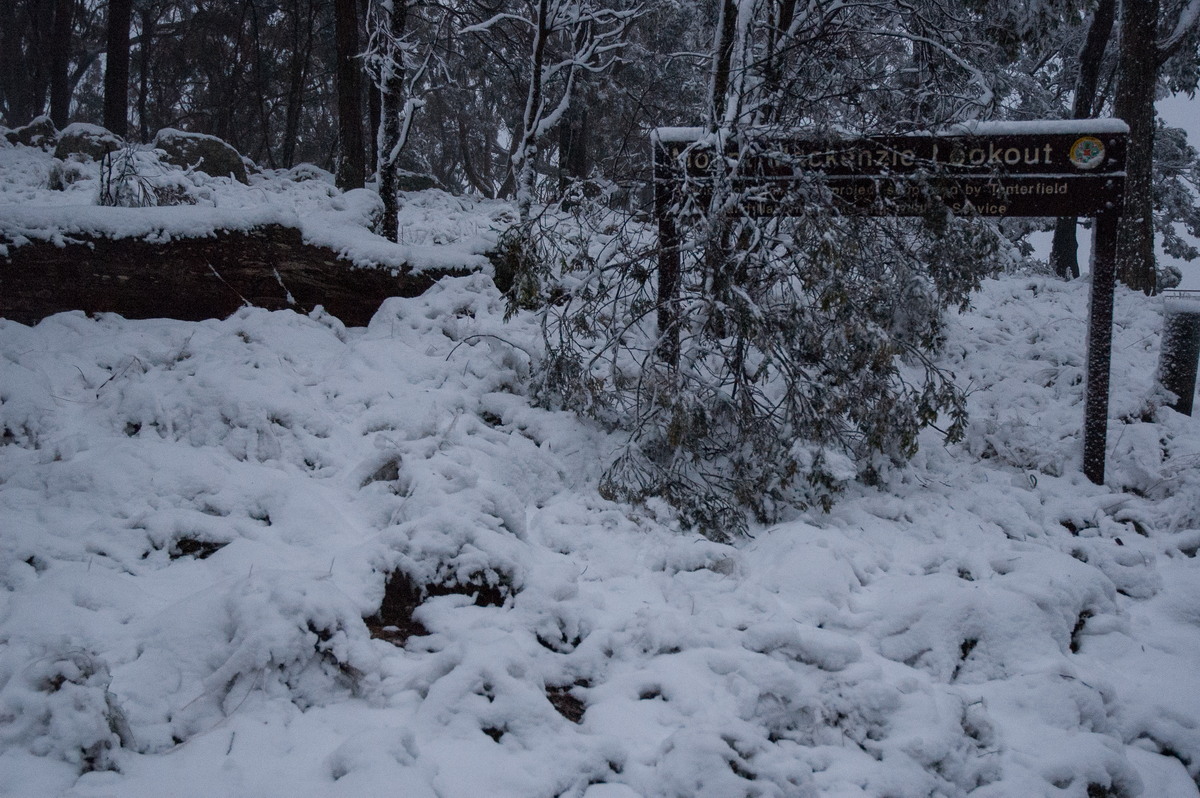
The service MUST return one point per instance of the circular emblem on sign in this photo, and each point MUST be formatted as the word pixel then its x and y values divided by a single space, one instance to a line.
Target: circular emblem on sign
pixel 1087 152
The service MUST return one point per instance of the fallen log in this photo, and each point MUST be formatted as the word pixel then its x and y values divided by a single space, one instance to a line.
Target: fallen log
pixel 190 279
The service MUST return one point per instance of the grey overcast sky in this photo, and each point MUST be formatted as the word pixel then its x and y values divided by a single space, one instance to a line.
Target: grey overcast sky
pixel 1181 111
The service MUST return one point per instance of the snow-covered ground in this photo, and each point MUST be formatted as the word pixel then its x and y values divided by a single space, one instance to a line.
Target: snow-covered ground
pixel 195 518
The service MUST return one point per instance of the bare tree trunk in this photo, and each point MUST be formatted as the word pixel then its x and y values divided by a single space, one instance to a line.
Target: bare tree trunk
pixel 722 63
pixel 374 106
pixel 351 163
pixel 526 152
pixel 26 42
pixel 1135 105
pixel 572 130
pixel 374 120
pixel 261 84
pixel 302 42
pixel 116 70
pixel 146 41
pixel 572 146
pixel 13 87
pixel 60 63
pixel 392 113
pixel 1064 252
pixel 224 116
pixel 782 14
pixel 479 177
pixel 716 252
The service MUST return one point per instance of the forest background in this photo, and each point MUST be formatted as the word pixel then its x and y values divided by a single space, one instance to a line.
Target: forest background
pixel 502 98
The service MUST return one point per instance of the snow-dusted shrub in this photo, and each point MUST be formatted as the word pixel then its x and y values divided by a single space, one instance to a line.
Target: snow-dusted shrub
pixel 272 633
pixel 63 174
pixel 25 399
pixel 134 177
pixel 416 181
pixel 519 268
pixel 56 701
pixel 796 355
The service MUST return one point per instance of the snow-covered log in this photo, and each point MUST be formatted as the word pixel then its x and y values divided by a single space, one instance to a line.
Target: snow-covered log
pixel 268 266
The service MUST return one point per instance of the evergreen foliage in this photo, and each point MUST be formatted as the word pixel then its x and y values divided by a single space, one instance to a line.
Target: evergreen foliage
pixel 804 351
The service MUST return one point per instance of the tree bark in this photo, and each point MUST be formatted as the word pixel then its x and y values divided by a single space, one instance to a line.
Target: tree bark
pixel 146 40
pixel 391 124
pixel 25 47
pixel 782 14
pixel 230 88
pixel 526 151
pixel 722 63
pixel 148 23
pixel 572 146
pixel 351 163
pixel 1135 105
pixel 60 64
pixel 716 250
pixel 14 88
pixel 116 70
pixel 573 162
pixel 1064 252
pixel 304 24
pixel 374 106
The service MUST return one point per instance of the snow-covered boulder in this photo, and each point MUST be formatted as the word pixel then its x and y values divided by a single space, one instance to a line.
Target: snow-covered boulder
pixel 303 172
pixel 82 141
pixel 416 181
pixel 41 132
pixel 205 153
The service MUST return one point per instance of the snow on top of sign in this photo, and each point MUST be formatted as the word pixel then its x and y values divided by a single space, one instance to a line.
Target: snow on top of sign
pixel 1045 127
pixel 677 134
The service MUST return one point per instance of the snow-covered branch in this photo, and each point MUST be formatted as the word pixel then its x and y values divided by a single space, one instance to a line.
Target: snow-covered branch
pixel 589 39
pixel 1188 18
pixel 986 97
pixel 487 25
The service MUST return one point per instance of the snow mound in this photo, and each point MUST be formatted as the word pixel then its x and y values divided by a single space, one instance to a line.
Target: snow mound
pixel 43 198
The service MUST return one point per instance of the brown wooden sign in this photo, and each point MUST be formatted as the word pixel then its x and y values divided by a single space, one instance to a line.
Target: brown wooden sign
pixel 1045 168
pixel 1008 169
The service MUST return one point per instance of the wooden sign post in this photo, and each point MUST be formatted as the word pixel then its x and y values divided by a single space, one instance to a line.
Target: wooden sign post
pixel 1051 168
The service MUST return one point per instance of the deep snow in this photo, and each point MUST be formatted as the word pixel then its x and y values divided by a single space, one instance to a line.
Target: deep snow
pixel 988 623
